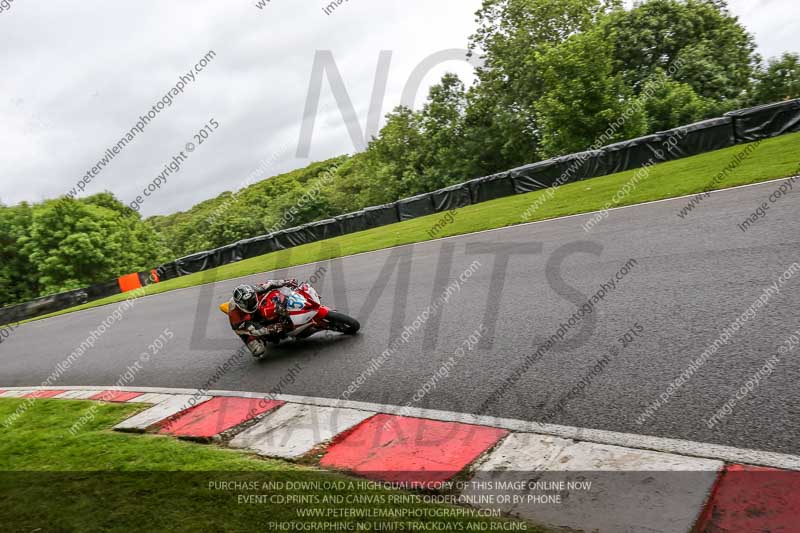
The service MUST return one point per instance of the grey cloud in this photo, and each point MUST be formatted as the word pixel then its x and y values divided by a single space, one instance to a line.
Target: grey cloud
pixel 77 75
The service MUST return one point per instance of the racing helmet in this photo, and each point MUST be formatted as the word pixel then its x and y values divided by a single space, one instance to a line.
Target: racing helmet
pixel 245 298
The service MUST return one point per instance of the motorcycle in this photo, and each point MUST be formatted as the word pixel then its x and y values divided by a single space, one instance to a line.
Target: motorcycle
pixel 305 310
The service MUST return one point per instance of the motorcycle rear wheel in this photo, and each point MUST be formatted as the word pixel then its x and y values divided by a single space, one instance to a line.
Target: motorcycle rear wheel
pixel 342 323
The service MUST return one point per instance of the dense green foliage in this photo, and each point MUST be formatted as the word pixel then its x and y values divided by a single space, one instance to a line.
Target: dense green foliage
pixel 283 201
pixel 18 279
pixel 66 244
pixel 715 52
pixel 579 103
pixel 555 76
pixel 780 80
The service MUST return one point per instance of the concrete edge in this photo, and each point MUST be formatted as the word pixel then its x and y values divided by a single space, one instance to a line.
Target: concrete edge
pixel 701 450
pixel 642 457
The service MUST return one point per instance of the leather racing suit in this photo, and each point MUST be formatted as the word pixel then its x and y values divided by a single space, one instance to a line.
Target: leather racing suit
pixel 253 328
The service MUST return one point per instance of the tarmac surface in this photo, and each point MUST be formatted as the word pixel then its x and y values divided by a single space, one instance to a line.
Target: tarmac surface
pixel 690 278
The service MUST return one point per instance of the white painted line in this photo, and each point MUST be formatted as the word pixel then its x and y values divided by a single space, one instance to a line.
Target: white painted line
pixel 294 430
pixel 434 241
pixel 14 393
pixel 159 412
pixel 75 395
pixel 614 489
pixel 64 388
pixel 645 442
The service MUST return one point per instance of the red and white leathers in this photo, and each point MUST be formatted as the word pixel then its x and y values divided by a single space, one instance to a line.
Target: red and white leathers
pixel 269 322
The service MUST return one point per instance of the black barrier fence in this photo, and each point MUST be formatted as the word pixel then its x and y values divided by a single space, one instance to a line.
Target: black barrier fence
pixel 416 206
pixel 64 300
pixel 57 302
pixel 766 121
pixel 451 197
pixel 735 127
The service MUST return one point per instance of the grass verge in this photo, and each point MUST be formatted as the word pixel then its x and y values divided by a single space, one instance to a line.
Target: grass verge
pixel 100 480
pixel 774 158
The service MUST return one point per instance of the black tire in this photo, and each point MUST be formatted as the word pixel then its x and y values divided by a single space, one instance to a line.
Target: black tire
pixel 342 323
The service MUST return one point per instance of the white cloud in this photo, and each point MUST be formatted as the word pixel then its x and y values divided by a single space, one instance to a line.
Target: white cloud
pixel 77 75
pixel 773 22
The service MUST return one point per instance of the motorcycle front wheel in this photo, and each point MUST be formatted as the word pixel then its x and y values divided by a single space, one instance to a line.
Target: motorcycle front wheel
pixel 342 323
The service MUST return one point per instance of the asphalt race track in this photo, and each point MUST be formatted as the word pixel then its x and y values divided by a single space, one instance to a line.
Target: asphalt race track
pixel 692 278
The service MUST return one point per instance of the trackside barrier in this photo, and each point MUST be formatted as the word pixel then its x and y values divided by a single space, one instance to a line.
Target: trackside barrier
pixel 766 121
pixel 130 282
pixel 744 125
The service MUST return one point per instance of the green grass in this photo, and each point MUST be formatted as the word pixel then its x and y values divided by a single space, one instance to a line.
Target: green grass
pixel 774 158
pixel 100 480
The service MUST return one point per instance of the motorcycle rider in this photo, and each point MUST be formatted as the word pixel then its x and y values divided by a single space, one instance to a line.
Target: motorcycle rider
pixel 249 324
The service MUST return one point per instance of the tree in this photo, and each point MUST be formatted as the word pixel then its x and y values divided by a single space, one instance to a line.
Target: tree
pixel 18 277
pixel 511 32
pixel 669 103
pixel 75 243
pixel 391 167
pixel 779 81
pixel 697 41
pixel 442 128
pixel 579 104
pixel 299 206
pixel 346 191
pixel 495 135
pixel 230 226
pixel 501 126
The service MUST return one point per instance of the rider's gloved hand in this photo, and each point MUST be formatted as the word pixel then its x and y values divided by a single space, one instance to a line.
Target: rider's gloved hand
pixel 272 329
pixel 263 288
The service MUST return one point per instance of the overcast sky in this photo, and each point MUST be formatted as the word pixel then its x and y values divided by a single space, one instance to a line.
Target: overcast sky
pixel 76 76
